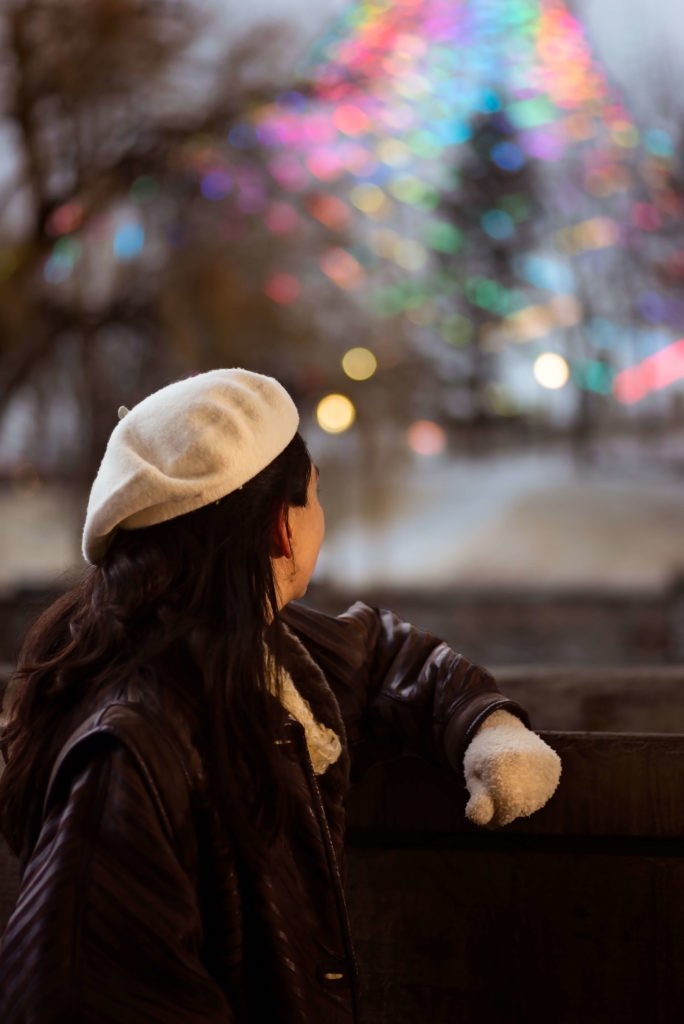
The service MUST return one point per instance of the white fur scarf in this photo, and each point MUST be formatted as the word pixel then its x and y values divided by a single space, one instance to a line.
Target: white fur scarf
pixel 324 744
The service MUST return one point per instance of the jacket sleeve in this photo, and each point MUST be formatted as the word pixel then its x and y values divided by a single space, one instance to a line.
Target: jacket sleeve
pixel 400 689
pixel 107 927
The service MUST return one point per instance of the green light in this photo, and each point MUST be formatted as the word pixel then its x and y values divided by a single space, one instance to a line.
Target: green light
pixel 443 237
pixel 483 292
pixel 415 192
pixel 426 144
pixel 594 375
pixel 511 301
pixel 532 113
pixel 68 248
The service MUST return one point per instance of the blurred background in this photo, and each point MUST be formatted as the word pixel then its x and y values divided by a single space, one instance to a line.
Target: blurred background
pixel 451 228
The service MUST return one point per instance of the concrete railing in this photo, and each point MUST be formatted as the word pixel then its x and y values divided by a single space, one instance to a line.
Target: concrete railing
pixel 575 915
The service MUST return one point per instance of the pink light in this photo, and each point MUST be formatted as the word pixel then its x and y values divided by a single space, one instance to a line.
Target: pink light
pixel 319 129
pixel 646 216
pixel 283 288
pixel 288 172
pixel 350 119
pixel 324 164
pixel 651 374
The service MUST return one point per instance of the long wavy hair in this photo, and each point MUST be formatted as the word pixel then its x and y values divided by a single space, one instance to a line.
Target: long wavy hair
pixel 189 608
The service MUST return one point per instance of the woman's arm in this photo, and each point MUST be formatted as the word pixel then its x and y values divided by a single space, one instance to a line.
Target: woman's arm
pixel 107 927
pixel 400 689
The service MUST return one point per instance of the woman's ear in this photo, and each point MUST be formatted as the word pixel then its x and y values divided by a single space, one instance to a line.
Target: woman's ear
pixel 281 536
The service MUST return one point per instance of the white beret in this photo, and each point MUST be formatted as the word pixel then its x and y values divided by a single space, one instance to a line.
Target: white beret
pixel 184 446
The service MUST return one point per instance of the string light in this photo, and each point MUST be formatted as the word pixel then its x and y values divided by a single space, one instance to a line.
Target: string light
pixel 395 90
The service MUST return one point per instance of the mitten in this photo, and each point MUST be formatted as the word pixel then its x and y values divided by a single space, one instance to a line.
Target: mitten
pixel 510 772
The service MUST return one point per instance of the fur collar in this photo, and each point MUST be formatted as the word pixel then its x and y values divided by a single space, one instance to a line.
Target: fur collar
pixel 323 743
pixel 313 687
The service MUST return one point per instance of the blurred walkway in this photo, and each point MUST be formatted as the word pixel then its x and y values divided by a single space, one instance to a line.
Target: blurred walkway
pixel 514 520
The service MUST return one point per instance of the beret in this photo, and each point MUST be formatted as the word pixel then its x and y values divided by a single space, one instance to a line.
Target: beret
pixel 184 446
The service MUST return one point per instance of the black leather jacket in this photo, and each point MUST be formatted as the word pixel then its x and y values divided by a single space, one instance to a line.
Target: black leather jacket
pixel 134 906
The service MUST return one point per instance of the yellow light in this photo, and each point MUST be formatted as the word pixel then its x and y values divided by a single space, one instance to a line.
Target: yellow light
pixel 530 322
pixel 359 363
pixel 335 414
pixel 410 255
pixel 368 198
pixel 551 371
pixel 393 152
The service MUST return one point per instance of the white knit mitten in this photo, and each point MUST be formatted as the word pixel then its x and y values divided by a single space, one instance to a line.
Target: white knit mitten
pixel 510 772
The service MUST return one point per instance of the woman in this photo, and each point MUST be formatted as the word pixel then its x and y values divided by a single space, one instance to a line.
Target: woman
pixel 179 746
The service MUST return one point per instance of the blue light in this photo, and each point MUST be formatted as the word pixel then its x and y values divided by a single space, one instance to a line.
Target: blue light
pixel 508 156
pixel 652 307
pixel 452 132
pixel 242 136
pixel 489 102
pixel 292 100
pixel 498 224
pixel 545 273
pixel 659 142
pixel 129 240
pixel 57 268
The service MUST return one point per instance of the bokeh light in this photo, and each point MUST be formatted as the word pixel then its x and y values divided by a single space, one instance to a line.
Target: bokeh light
pixel 657 371
pixel 335 413
pixel 129 240
pixel 216 185
pixel 341 267
pixel 283 288
pixel 425 139
pixel 426 437
pixel 359 363
pixel 551 370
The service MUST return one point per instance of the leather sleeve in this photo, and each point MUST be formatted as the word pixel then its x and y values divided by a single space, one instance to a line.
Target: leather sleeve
pixel 107 927
pixel 400 689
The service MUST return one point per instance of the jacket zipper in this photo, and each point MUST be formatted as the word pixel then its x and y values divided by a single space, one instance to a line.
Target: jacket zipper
pixel 338 887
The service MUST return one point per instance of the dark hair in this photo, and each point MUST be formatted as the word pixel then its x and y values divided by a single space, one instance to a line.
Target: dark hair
pixel 189 604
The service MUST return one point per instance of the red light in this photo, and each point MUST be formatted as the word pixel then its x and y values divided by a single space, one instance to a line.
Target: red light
pixel 651 374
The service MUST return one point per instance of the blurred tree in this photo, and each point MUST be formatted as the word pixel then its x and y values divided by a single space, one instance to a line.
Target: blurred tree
pixel 106 107
pixel 494 203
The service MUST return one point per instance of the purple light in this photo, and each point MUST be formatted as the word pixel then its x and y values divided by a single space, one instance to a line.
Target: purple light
pixel 652 307
pixel 543 145
pixel 216 185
